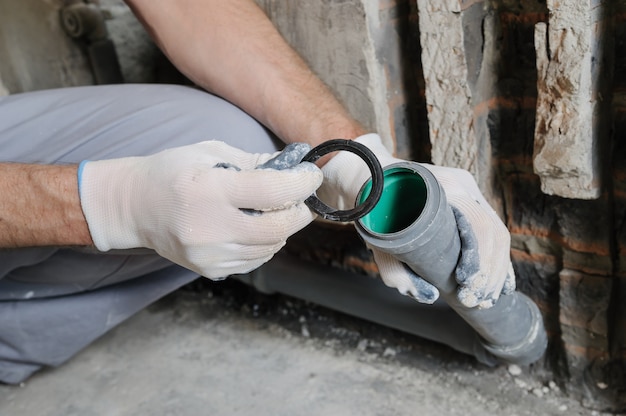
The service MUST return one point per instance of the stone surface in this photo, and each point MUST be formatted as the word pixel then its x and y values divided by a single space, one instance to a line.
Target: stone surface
pixel 240 353
pixel 324 37
pixel 362 50
pixel 36 53
pixel 448 96
pixel 136 52
pixel 570 60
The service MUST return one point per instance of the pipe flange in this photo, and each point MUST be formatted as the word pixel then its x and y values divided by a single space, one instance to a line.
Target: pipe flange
pixel 373 164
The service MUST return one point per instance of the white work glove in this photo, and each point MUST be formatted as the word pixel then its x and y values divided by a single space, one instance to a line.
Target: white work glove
pixel 484 270
pixel 202 206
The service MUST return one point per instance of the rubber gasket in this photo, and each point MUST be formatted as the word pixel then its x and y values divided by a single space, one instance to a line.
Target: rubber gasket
pixel 373 164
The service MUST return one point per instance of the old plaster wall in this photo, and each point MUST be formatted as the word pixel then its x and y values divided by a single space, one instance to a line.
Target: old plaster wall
pixel 362 50
pixel 36 53
pixel 543 84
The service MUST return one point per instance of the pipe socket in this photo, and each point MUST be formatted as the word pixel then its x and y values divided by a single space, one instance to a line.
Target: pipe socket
pixel 414 223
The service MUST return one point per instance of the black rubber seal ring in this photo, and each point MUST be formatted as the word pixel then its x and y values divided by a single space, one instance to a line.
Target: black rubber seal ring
pixel 373 164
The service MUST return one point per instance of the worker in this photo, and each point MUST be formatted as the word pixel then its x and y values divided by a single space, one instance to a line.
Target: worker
pixel 114 196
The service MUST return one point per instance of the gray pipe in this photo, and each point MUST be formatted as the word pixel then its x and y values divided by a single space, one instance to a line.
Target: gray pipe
pixel 415 224
pixel 367 298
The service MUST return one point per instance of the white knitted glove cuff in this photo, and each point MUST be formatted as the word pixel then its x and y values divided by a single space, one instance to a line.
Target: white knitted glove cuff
pixel 108 221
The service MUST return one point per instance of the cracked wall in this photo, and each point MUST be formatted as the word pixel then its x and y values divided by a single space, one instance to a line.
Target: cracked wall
pixel 545 145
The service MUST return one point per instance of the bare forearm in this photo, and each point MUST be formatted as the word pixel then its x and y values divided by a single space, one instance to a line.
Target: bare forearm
pixel 231 48
pixel 40 206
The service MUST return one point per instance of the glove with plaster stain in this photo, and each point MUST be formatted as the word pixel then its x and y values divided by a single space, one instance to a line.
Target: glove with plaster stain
pixel 209 207
pixel 484 270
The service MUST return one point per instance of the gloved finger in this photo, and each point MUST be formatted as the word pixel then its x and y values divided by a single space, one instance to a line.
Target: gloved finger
pixel 287 158
pixel 397 275
pixel 468 266
pixel 223 270
pixel 271 227
pixel 213 149
pixel 509 283
pixel 458 183
pixel 484 262
pixel 474 287
pixel 269 189
pixel 507 289
pixel 232 258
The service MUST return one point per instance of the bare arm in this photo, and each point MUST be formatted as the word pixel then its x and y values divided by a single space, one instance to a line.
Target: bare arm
pixel 40 206
pixel 232 49
pixel 228 47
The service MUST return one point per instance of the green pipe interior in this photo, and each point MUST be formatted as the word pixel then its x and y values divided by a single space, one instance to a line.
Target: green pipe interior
pixel 402 201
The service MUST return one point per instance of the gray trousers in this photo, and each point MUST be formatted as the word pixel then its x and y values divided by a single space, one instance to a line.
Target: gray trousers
pixel 55 301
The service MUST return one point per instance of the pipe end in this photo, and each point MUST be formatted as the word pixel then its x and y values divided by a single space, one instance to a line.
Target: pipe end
pixel 532 347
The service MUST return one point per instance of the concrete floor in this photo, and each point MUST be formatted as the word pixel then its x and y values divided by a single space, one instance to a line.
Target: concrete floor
pixel 216 349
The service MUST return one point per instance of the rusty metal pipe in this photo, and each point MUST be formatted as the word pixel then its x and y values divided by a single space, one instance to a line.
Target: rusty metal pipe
pixel 85 22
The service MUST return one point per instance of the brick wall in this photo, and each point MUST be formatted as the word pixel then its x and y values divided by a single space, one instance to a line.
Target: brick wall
pixel 476 99
pixel 568 252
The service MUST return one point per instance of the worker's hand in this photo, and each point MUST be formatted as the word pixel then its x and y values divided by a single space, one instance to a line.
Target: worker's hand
pixel 344 175
pixel 484 270
pixel 207 206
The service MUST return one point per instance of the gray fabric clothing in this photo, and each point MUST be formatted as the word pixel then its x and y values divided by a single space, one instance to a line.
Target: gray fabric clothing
pixel 55 301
